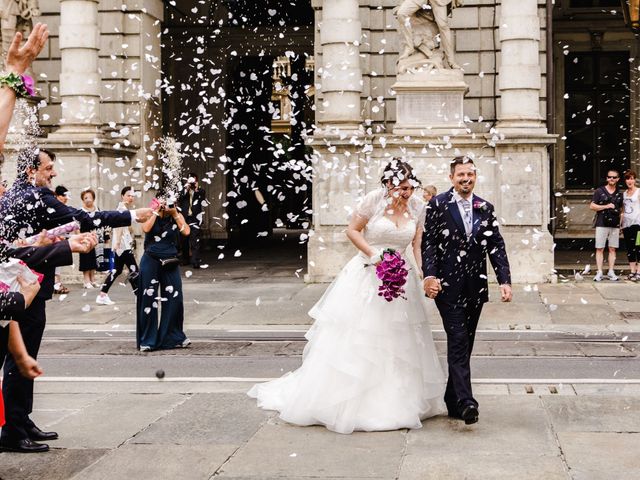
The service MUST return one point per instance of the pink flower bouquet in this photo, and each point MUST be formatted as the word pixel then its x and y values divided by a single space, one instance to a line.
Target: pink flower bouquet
pixel 393 273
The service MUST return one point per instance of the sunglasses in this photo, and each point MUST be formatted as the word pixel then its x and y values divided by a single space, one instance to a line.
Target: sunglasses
pixel 610 176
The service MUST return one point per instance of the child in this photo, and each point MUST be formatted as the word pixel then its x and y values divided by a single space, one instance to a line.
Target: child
pixel 428 192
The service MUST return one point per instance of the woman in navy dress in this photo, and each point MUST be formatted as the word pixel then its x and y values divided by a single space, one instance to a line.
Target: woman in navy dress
pixel 160 287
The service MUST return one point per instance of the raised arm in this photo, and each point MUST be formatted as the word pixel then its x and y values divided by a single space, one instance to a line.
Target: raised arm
pixel 19 58
pixel 58 214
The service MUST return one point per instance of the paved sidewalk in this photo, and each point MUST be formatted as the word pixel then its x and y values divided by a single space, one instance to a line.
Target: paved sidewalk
pixel 196 427
pixel 160 430
pixel 282 303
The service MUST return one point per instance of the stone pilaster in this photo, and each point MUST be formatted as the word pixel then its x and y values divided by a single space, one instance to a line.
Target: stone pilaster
pixel 340 74
pixel 338 142
pixel 521 142
pixel 519 78
pixel 79 79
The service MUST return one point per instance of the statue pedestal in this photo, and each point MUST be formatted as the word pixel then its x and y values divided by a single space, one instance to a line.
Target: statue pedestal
pixel 429 101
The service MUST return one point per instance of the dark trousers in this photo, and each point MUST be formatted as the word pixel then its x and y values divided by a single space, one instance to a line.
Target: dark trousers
pixel 17 390
pixel 190 245
pixel 153 282
pixel 127 259
pixel 460 323
pixel 630 234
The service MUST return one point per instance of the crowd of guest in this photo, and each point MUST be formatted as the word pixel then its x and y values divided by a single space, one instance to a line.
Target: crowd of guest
pixel 40 229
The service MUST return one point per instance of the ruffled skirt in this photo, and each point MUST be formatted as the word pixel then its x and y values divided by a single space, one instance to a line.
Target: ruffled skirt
pixel 369 364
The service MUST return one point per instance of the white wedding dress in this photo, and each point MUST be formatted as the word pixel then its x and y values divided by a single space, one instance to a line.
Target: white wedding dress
pixel 369 364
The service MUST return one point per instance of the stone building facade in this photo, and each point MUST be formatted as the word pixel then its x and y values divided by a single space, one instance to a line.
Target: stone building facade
pixel 116 75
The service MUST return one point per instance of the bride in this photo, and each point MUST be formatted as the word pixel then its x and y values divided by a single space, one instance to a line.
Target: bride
pixel 369 364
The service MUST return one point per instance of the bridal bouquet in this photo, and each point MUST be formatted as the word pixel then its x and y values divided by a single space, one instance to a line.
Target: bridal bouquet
pixel 393 274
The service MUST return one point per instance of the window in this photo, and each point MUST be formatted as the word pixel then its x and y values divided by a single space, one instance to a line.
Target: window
pixel 596 116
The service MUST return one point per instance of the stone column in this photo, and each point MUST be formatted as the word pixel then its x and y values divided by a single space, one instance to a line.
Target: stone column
pixel 79 77
pixel 340 74
pixel 338 142
pixel 519 78
pixel 523 199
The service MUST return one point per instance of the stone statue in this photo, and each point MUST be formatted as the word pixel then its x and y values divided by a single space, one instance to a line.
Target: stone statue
pixel 16 16
pixel 425 34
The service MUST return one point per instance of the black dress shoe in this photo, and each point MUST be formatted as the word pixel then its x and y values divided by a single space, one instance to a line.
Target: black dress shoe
pixel 36 434
pixel 470 414
pixel 24 446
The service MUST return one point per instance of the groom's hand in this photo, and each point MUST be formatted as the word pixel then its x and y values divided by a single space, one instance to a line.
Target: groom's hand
pixel 506 293
pixel 432 287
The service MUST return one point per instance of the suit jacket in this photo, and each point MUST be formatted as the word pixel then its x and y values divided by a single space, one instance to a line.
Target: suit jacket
pixel 26 210
pixel 11 306
pixel 197 205
pixel 461 262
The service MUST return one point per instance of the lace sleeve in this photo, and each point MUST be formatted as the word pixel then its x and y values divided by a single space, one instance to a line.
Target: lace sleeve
pixel 368 206
pixel 418 209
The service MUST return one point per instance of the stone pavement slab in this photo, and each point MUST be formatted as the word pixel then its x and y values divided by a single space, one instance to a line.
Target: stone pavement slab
pixel 159 462
pixel 280 450
pixel 584 315
pixel 458 464
pixel 52 465
pixel 563 298
pixel 595 456
pixel 569 288
pixel 112 420
pixel 266 313
pixel 618 290
pixel 216 419
pixel 594 414
pixel 514 314
pixel 512 440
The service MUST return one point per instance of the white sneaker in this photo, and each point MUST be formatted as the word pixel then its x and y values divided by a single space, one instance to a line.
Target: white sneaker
pixel 598 277
pixel 104 300
pixel 87 286
pixel 145 348
pixel 185 343
pixel 612 276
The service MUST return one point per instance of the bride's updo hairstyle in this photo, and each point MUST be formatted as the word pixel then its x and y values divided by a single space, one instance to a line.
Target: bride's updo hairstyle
pixel 397 171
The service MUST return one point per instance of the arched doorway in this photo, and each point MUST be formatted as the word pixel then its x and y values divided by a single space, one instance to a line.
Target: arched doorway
pixel 238 78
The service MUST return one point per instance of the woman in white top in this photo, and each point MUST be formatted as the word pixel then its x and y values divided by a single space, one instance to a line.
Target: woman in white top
pixel 631 223
pixel 122 242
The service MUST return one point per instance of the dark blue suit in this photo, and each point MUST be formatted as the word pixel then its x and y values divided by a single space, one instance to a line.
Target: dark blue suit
pixel 460 262
pixel 27 210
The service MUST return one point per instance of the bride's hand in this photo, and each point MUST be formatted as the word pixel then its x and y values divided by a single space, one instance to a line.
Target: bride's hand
pixel 432 287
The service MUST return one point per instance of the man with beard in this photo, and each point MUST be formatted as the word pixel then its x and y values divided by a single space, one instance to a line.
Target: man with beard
pixel 461 229
pixel 28 207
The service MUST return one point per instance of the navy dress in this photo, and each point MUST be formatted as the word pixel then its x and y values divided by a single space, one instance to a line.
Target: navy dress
pixel 157 281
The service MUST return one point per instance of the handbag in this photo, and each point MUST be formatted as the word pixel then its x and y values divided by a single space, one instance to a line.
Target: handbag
pixel 170 262
pixel 166 263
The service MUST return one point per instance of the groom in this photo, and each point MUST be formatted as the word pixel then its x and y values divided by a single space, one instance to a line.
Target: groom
pixel 460 231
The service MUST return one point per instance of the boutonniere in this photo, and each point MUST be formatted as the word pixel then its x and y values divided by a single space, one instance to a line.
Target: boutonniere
pixel 478 205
